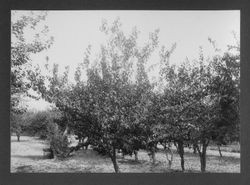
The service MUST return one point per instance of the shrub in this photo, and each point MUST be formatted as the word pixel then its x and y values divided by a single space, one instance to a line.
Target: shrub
pixel 58 142
pixel 36 123
pixel 101 150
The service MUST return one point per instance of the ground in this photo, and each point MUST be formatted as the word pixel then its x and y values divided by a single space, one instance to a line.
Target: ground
pixel 27 156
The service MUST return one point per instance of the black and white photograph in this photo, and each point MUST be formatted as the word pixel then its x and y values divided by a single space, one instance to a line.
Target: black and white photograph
pixel 125 91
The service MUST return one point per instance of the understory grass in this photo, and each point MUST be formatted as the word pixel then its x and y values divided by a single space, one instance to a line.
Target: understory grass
pixel 27 157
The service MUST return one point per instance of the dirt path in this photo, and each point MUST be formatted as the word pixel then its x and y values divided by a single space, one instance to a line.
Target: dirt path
pixel 27 156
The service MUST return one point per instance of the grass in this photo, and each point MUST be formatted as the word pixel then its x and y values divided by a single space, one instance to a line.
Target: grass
pixel 229 148
pixel 27 157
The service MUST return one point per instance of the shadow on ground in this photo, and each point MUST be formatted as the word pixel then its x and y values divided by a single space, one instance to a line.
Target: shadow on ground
pixel 130 161
pixel 24 169
pixel 32 157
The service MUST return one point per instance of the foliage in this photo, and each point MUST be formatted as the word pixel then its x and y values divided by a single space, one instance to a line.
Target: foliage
pixel 116 108
pixel 59 143
pixel 21 50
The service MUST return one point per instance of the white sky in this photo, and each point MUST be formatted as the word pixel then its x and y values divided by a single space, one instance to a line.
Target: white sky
pixel 73 31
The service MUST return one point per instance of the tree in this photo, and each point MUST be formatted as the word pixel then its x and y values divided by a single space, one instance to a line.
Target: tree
pixel 176 99
pixel 226 87
pixel 144 105
pixel 216 113
pixel 16 125
pixel 114 108
pixel 114 103
pixel 21 51
pixel 97 108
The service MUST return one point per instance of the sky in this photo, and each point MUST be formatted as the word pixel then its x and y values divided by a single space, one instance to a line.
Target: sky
pixel 73 31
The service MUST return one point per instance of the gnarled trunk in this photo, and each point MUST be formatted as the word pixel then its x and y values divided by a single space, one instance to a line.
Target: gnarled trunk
pixel 181 154
pixel 203 162
pixel 202 153
pixel 113 158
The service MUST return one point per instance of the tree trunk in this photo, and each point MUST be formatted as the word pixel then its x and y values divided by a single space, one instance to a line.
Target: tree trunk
pixel 194 149
pixel 170 160
pixel 153 157
pixel 203 162
pixel 18 134
pixel 18 137
pixel 136 156
pixel 219 150
pixel 53 154
pixel 181 153
pixel 86 146
pixel 123 155
pixel 113 158
pixel 202 154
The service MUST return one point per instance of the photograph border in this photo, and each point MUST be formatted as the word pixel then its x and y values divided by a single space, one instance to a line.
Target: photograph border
pixel 7 178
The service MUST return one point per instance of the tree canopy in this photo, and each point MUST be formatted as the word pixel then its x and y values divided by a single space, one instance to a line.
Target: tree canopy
pixel 115 107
